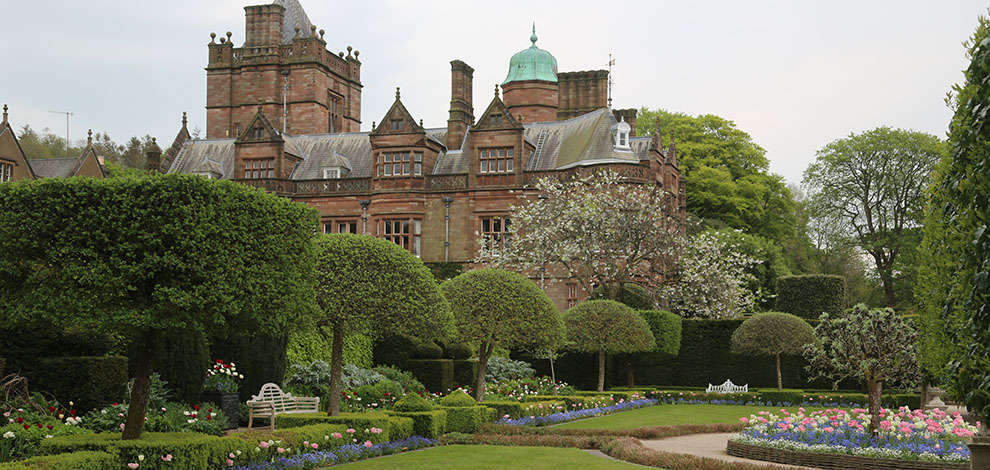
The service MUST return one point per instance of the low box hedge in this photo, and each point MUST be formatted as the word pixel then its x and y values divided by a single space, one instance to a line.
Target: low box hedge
pixel 321 434
pixel 429 424
pixel 467 419
pixel 512 409
pixel 399 428
pixel 615 394
pixel 84 460
pixel 359 421
pixel 188 450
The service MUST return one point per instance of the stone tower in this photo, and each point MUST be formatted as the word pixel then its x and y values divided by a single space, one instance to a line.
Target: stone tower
pixel 285 67
pixel 530 88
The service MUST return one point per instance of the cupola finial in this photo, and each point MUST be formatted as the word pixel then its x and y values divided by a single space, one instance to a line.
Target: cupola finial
pixel 4 113
pixel 533 36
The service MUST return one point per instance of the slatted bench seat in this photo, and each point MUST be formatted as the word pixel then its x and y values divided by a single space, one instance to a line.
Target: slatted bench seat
pixel 272 401
pixel 728 387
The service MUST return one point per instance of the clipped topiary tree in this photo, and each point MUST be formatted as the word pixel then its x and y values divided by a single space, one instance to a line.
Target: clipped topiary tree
pixel 412 402
pixel 811 295
pixel 494 307
pixel 875 345
pixel 372 286
pixel 150 257
pixel 772 334
pixel 458 398
pixel 666 328
pixel 606 327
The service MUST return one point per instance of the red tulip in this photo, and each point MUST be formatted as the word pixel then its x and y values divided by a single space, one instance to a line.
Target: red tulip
pixel 40 425
pixel 196 407
pixel 209 417
pixel 51 409
pixel 27 426
pixel 50 427
pixel 20 420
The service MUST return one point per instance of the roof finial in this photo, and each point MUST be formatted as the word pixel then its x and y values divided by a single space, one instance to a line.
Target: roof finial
pixel 259 106
pixel 89 138
pixel 396 93
pixel 421 122
pixel 183 119
pixel 496 90
pixel 533 37
pixel 5 113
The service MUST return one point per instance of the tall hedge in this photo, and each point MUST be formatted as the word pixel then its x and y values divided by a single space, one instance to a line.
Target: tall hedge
pixel 260 357
pixel 308 344
pixel 89 382
pixel 183 364
pixel 810 295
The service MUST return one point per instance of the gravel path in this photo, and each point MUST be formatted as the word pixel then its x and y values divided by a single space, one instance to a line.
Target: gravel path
pixel 704 445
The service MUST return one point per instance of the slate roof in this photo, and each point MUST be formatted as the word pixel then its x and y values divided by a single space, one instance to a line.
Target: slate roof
pixel 295 15
pixel 584 140
pixel 53 167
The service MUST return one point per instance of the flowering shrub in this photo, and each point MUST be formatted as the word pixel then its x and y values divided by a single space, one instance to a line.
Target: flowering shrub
pixel 904 434
pixel 173 417
pixel 21 431
pixel 560 417
pixel 519 388
pixel 273 457
pixel 222 378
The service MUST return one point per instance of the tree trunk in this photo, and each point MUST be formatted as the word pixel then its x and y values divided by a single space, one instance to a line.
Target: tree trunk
pixel 780 383
pixel 875 389
pixel 336 369
pixel 630 377
pixel 479 383
pixel 601 371
pixel 888 291
pixel 138 407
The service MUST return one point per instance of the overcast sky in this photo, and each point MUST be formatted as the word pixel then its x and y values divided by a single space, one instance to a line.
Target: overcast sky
pixel 793 74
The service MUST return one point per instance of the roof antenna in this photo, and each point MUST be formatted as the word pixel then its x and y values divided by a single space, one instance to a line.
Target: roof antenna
pixel 611 62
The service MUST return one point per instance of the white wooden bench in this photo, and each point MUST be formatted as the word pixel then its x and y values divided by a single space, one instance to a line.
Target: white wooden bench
pixel 728 387
pixel 272 401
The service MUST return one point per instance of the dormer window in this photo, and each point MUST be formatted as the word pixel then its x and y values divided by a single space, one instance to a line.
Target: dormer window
pixel 396 124
pixel 331 173
pixel 622 130
pixel 259 132
pixel 496 119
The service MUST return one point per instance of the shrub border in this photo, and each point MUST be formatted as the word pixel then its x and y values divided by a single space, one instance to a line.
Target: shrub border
pixel 833 461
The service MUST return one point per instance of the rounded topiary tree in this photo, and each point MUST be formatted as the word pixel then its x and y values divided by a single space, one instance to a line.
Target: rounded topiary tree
pixel 494 307
pixel 152 257
pixel 458 398
pixel 372 286
pixel 412 402
pixel 606 327
pixel 772 334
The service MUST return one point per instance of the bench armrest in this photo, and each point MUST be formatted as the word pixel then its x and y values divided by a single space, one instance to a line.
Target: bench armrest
pixel 261 407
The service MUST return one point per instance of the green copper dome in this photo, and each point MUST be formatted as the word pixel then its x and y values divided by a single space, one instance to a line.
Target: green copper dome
pixel 532 64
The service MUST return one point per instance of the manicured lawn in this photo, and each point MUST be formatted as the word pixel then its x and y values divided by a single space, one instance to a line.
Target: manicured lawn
pixel 491 457
pixel 670 415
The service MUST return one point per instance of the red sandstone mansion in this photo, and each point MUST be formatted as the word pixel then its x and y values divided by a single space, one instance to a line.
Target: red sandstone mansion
pixel 284 114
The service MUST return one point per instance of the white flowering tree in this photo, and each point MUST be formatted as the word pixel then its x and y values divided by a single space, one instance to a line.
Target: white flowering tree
pixel 599 229
pixel 711 280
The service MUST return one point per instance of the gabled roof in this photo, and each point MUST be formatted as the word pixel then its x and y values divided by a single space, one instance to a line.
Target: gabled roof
pixel 259 119
pixel 398 111
pixel 584 140
pixel 497 108
pixel 173 150
pixel 5 129
pixel 54 167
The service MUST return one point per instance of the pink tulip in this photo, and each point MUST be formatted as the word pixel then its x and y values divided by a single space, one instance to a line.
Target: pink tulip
pixel 280 450
pixel 167 458
pixel 368 443
pixel 263 444
pixel 132 466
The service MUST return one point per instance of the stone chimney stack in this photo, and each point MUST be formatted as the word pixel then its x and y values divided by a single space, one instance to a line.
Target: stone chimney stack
pixel 630 117
pixel 461 107
pixel 154 155
pixel 264 25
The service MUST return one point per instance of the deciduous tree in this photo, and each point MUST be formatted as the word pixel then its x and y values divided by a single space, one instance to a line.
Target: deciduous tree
pixel 772 334
pixel 150 257
pixel 875 345
pixel 606 327
pixel 600 229
pixel 371 286
pixel 874 184
pixel 498 308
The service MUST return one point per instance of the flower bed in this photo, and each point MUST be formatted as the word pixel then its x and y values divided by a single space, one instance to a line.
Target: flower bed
pixel 903 435
pixel 346 453
pixel 556 418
